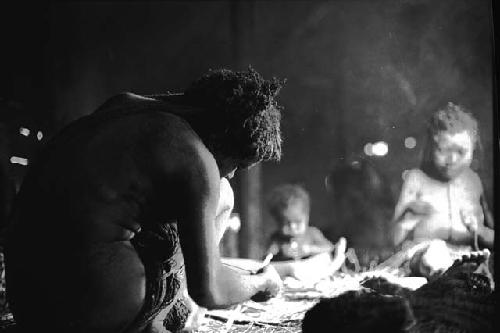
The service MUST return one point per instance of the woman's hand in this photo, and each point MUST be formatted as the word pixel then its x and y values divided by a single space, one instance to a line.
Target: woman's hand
pixel 272 284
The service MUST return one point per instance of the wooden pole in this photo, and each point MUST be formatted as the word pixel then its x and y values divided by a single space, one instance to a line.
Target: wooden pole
pixel 250 245
pixel 248 182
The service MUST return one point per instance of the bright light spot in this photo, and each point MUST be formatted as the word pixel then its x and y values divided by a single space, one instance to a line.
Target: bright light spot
pixel 234 222
pixel 18 160
pixel 39 135
pixel 380 148
pixel 368 149
pixel 24 131
pixel 410 142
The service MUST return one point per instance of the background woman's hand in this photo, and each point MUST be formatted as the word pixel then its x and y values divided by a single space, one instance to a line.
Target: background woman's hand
pixel 420 208
pixel 470 220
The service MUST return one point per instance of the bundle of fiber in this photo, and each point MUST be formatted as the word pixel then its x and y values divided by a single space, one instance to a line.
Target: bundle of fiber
pixel 458 301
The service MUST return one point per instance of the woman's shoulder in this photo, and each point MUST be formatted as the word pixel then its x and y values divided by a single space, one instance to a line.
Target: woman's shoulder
pixel 471 179
pixel 471 174
pixel 126 103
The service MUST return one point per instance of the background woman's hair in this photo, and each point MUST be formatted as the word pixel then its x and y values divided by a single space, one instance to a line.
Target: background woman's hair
pixel 359 175
pixel 242 118
pixel 361 203
pixel 452 118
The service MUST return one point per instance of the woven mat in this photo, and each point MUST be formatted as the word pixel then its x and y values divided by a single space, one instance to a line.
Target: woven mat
pixel 285 312
pixel 281 314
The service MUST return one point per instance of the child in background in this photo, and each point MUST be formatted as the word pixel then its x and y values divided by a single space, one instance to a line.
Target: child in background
pixel 442 204
pixel 289 206
pixel 300 251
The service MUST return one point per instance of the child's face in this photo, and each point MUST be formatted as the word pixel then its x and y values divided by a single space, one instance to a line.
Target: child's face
pixel 452 153
pixel 294 220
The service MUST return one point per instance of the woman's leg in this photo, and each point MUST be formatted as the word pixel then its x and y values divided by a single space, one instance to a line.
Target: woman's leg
pixel 115 288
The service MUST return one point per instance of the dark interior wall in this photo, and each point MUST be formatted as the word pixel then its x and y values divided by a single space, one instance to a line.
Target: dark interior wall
pixel 363 71
pixel 357 71
pixel 99 49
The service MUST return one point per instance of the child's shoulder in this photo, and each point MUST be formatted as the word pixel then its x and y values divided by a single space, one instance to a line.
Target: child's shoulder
pixel 313 230
pixel 314 233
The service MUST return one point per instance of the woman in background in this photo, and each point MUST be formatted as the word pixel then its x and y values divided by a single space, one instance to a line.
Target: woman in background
pixel 362 206
pixel 442 204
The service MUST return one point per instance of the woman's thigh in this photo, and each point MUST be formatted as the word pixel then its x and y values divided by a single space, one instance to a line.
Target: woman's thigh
pixel 114 287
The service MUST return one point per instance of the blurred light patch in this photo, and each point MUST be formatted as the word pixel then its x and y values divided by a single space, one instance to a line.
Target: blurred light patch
pixel 39 135
pixel 410 142
pixel 24 131
pixel 234 222
pixel 368 149
pixel 18 160
pixel 380 148
pixel 355 164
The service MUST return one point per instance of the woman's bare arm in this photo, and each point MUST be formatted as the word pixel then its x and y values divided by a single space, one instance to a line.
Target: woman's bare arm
pixel 210 283
pixel 485 232
pixel 402 224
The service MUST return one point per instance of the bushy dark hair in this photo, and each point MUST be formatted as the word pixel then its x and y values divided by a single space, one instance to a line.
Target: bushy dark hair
pixel 286 195
pixel 360 311
pixel 359 176
pixel 243 117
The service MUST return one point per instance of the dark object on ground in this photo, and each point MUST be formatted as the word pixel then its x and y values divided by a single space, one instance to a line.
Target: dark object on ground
pixel 460 300
pixel 383 286
pixel 359 311
pixel 177 317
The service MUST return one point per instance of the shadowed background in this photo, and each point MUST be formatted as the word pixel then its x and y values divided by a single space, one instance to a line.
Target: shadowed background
pixel 357 71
